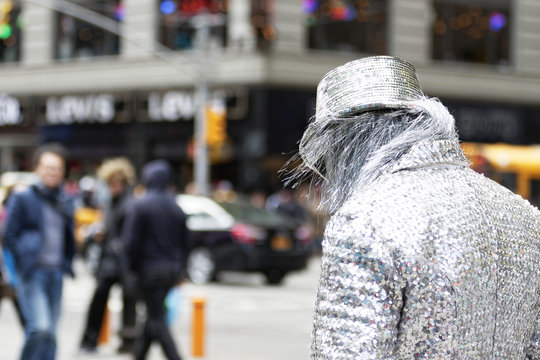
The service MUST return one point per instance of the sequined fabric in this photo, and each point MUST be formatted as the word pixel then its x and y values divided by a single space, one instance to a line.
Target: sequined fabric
pixel 431 261
pixel 380 82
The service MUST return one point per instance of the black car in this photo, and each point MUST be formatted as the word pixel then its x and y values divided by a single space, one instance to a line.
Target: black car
pixel 236 236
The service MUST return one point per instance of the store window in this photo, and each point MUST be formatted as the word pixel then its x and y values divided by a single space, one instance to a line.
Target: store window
pixel 80 39
pixel 347 25
pixel 10 31
pixel 261 19
pixel 178 21
pixel 475 31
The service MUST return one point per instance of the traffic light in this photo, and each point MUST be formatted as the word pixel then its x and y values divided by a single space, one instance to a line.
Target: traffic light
pixel 5 26
pixel 216 124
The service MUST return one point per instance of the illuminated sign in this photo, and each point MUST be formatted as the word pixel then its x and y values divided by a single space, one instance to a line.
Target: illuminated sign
pixel 171 106
pixel 73 109
pixel 10 110
pixel 177 105
pixel 189 7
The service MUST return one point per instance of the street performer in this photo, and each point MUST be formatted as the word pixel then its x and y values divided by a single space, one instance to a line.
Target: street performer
pixel 423 258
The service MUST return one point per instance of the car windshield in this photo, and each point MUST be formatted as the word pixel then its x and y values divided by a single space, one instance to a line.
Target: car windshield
pixel 253 215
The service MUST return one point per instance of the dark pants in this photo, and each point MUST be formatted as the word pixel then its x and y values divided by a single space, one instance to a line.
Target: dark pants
pixel 96 312
pixel 154 284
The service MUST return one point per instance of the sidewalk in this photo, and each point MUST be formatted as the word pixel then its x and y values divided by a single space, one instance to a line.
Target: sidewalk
pixel 245 319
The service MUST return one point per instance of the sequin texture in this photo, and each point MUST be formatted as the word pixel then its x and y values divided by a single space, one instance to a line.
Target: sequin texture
pixel 380 82
pixel 430 261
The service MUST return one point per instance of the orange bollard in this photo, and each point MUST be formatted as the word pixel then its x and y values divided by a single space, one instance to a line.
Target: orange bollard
pixel 198 327
pixel 104 332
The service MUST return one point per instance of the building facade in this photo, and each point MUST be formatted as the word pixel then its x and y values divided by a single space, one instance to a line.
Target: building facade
pixel 111 77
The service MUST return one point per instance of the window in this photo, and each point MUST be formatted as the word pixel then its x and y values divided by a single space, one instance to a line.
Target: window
pixel 261 20
pixel 177 22
pixel 10 31
pixel 475 31
pixel 347 25
pixel 80 39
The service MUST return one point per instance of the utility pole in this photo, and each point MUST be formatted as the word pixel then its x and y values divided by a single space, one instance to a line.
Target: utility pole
pixel 202 23
pixel 201 163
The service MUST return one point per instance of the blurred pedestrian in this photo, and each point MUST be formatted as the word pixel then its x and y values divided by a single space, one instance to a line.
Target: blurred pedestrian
pixel 224 192
pixel 7 286
pixel 8 275
pixel 258 199
pixel 39 234
pixel 119 175
pixel 156 240
pixel 423 257
pixel 284 202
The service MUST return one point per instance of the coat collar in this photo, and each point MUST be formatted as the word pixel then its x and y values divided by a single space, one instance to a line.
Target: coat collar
pixel 432 154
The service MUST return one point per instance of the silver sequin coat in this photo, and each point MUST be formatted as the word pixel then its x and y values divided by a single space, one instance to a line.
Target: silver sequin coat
pixel 430 261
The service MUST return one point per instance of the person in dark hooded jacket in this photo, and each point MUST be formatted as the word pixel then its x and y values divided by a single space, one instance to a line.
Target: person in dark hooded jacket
pixel 156 243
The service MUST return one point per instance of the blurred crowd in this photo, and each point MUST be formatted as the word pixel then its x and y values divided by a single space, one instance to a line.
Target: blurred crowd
pixel 99 207
pixel 91 195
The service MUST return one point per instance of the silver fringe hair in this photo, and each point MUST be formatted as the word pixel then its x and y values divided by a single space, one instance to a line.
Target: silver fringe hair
pixel 345 153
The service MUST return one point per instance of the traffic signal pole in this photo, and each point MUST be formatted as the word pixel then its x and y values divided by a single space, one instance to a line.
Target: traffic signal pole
pixel 201 163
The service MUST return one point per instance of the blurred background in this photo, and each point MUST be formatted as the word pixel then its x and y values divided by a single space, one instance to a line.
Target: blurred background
pixel 126 83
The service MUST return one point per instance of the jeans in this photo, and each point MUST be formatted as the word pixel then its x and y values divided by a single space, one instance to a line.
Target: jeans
pixel 154 284
pixel 40 294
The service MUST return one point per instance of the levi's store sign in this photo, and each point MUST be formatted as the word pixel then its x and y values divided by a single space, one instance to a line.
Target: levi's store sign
pixel 171 106
pixel 10 110
pixel 103 108
pixel 178 105
pixel 128 107
pixel 76 109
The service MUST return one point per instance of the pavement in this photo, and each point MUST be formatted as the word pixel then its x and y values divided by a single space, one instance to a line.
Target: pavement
pixel 245 319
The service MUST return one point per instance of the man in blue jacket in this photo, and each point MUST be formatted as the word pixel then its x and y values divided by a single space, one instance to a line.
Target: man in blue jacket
pixel 39 233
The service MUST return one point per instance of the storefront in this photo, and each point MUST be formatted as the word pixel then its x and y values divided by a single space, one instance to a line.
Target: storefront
pixel 145 125
pixel 140 125
pixel 18 135
pixel 264 125
pixel 491 123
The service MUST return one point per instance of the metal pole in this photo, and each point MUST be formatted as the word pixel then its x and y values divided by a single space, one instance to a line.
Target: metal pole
pixel 201 164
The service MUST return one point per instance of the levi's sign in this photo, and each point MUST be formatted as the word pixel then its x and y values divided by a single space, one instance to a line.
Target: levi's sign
pixel 73 109
pixel 10 110
pixel 171 106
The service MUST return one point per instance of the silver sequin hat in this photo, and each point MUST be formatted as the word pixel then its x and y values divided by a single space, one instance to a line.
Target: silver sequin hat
pixel 371 83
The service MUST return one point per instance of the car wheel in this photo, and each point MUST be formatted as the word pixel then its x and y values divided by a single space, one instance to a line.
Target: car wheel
pixel 274 276
pixel 201 266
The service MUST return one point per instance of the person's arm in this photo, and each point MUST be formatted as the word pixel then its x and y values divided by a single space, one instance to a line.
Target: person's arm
pixel 13 226
pixel 184 240
pixel 186 236
pixel 132 236
pixel 360 298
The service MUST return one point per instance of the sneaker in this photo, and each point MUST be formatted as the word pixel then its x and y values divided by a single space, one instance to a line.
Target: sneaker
pixel 126 347
pixel 86 350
